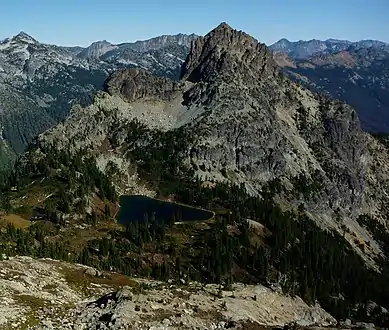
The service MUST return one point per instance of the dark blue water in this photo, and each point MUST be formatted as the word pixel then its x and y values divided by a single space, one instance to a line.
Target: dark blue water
pixel 136 208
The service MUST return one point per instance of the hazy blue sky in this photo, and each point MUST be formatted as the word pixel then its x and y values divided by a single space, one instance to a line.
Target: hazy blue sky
pixel 80 22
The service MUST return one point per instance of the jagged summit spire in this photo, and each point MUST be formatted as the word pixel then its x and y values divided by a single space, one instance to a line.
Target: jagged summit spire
pixel 222 51
pixel 224 30
pixel 23 34
pixel 223 26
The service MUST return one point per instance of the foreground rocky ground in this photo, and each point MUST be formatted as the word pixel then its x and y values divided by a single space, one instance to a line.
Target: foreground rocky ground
pixel 49 294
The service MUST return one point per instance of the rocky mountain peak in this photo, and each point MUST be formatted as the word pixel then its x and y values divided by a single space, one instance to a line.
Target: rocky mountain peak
pixel 225 51
pixel 281 44
pixel 97 49
pixel 102 42
pixel 24 37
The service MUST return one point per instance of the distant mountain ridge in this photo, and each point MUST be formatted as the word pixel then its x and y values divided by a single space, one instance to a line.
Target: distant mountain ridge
pixel 304 49
pixel 100 48
pixel 154 43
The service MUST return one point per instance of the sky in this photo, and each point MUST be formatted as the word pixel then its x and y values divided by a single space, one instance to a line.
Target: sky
pixel 81 22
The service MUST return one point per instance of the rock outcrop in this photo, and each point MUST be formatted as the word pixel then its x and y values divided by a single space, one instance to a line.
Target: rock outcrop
pixel 48 294
pixel 137 84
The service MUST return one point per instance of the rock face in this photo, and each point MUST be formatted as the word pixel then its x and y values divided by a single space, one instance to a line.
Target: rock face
pixel 48 294
pixel 137 84
pixel 211 56
pixel 96 50
pixel 248 124
pixel 171 307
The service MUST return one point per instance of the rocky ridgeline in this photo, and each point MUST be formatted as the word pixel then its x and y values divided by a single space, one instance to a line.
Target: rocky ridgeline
pixel 48 294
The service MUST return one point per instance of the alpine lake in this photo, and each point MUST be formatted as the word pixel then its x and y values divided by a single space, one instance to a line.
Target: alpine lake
pixel 137 208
